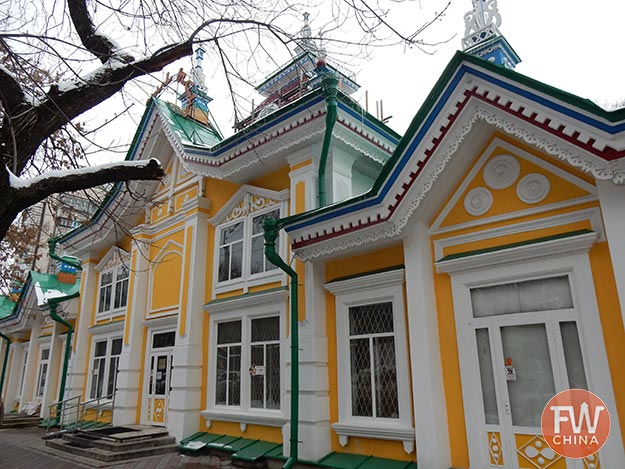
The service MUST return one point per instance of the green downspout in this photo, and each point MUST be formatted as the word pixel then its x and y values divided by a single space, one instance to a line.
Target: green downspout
pixel 329 85
pixel 53 304
pixel 271 228
pixel 5 361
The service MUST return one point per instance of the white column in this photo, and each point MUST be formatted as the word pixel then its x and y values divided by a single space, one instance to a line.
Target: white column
pixel 32 363
pixel 430 417
pixel 184 401
pixel 14 373
pixel 78 362
pixel 612 200
pixel 55 368
pixel 314 402
pixel 5 388
pixel 129 376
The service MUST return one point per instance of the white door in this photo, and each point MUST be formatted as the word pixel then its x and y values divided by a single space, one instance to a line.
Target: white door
pixel 523 346
pixel 160 361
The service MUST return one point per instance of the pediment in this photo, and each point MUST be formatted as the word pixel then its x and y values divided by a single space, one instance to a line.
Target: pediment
pixel 246 200
pixel 472 103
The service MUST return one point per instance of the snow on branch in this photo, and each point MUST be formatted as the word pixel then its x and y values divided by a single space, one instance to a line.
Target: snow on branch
pixel 30 191
pixel 22 183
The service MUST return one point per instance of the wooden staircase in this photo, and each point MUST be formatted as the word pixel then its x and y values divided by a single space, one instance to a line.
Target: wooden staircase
pixel 116 443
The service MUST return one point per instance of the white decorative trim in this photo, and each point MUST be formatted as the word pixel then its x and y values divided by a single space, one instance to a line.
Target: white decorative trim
pixel 478 201
pixel 244 418
pixel 366 282
pixel 533 188
pixel 599 168
pixel 593 215
pixel 161 321
pixel 361 149
pixel 556 247
pixel 501 171
pixel 404 434
pixel 259 198
pixel 108 327
pixel 247 301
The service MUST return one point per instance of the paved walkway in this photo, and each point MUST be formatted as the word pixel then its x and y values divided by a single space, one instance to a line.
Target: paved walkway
pixel 24 448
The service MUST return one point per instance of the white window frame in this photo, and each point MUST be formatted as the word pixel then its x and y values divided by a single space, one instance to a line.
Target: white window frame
pixel 115 284
pixel 107 363
pixel 246 308
pixel 247 278
pixel 114 260
pixel 40 363
pixel 383 287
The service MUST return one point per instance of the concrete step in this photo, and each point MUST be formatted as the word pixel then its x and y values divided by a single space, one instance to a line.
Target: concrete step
pixel 19 421
pixel 78 439
pixel 110 456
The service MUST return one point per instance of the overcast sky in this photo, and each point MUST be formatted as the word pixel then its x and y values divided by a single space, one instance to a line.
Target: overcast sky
pixel 569 44
pixel 573 45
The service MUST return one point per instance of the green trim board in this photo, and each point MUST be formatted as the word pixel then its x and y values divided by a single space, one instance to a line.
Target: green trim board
pixel 245 295
pixel 476 252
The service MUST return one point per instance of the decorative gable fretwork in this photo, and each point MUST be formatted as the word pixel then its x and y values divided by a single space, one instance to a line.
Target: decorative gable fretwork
pixel 248 199
pixel 473 106
pixel 115 256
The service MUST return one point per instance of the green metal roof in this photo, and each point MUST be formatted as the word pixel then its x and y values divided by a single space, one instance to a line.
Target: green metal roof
pixel 188 131
pixel 251 451
pixel 6 306
pixel 48 287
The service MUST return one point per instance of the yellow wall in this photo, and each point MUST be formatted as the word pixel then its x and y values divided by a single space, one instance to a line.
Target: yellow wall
pixel 276 181
pixel 361 264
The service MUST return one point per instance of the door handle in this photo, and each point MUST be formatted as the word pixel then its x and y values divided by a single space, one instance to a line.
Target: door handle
pixel 506 408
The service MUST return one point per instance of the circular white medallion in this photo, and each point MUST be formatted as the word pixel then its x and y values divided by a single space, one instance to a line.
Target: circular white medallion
pixel 533 188
pixel 478 201
pixel 501 171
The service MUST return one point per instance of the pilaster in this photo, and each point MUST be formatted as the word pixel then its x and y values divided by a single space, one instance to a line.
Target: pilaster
pixel 55 366
pixel 430 417
pixel 32 362
pixel 183 417
pixel 78 363
pixel 612 201
pixel 128 400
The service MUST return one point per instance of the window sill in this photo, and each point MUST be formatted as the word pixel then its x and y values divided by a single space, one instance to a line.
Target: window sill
pixel 376 430
pixel 244 418
pixel 244 283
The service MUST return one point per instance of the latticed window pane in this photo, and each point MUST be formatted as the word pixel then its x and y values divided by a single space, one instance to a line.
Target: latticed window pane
pixel 265 329
pixel 360 356
pixel 100 348
pixel 258 255
pixel 257 376
pixel 386 399
pixel 234 375
pixel 265 363
pixel 229 332
pixel 105 298
pixel 371 319
pixel 272 376
pixel 221 379
pixel 224 263
pixel 165 339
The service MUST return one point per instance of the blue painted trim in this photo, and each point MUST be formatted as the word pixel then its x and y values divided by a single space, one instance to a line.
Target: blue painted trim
pixel 442 101
pixel 361 118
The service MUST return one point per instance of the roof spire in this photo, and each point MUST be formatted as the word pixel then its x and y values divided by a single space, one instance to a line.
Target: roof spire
pixel 305 42
pixel 198 70
pixel 482 37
